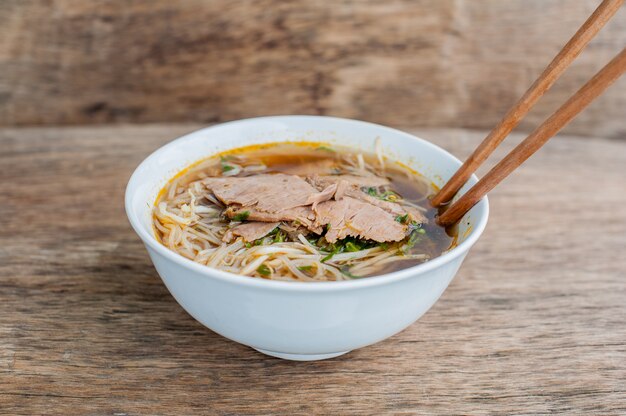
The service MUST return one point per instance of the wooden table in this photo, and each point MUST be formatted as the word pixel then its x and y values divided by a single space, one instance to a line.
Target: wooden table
pixel 534 323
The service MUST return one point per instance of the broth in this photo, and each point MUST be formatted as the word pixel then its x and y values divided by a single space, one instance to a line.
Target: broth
pixel 194 217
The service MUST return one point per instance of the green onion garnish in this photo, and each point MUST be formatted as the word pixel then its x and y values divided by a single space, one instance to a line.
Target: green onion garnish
pixel 402 218
pixel 326 148
pixel 263 270
pixel 242 216
pixel 350 246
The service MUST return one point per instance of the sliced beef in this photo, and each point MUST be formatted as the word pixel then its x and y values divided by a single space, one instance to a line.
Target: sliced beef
pixel 391 207
pixel 250 231
pixel 293 230
pixel 342 188
pixel 325 195
pixel 298 215
pixel 265 192
pixel 348 185
pixel 388 206
pixel 351 217
pixel 323 181
pixel 274 198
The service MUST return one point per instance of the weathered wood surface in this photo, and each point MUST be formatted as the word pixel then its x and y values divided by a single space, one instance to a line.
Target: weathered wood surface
pixel 399 62
pixel 533 323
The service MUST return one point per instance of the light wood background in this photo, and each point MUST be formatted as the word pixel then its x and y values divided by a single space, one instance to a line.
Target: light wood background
pixel 532 324
pixel 398 62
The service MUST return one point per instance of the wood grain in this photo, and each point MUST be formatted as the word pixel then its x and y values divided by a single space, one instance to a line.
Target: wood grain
pixel 605 11
pixel 400 62
pixel 533 323
pixel 531 144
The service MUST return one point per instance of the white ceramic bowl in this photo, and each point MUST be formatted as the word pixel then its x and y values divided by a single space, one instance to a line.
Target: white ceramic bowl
pixel 292 320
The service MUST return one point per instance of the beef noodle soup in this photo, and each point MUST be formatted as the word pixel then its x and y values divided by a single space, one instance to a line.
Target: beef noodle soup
pixel 300 212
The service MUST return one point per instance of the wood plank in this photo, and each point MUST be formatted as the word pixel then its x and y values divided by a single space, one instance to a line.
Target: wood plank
pixel 414 63
pixel 533 323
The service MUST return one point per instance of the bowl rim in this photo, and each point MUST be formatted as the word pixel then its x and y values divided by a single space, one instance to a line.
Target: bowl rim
pixel 209 272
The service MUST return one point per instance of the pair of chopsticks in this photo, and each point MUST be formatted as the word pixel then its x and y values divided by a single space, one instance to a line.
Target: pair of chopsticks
pixel 551 126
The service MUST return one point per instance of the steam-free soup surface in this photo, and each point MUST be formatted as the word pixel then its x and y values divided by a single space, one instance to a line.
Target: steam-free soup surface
pixel 300 212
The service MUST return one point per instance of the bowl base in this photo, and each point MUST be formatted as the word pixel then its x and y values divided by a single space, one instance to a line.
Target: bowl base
pixel 301 357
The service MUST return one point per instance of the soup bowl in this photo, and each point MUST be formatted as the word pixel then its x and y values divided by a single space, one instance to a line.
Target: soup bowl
pixel 298 320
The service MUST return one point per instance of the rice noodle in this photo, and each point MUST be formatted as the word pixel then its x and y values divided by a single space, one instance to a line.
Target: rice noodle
pixel 378 145
pixel 295 270
pixel 371 261
pixel 355 254
pixel 253 265
pixel 276 250
pixel 359 158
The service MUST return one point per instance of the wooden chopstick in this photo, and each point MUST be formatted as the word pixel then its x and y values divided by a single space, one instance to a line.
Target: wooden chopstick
pixel 576 103
pixel 553 71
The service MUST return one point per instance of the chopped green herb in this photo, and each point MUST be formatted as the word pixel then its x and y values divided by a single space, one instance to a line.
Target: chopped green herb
pixel 226 168
pixel 263 270
pixel 333 250
pixel 414 238
pixel 384 246
pixel 248 245
pixel 350 246
pixel 416 226
pixel 385 196
pixel 242 216
pixel 328 257
pixel 279 237
pixel 322 244
pixel 305 268
pixel 389 196
pixel 402 218
pixel 258 242
pixel 326 148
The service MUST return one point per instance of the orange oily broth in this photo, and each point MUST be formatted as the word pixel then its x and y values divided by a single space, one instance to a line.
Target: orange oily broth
pixel 280 157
